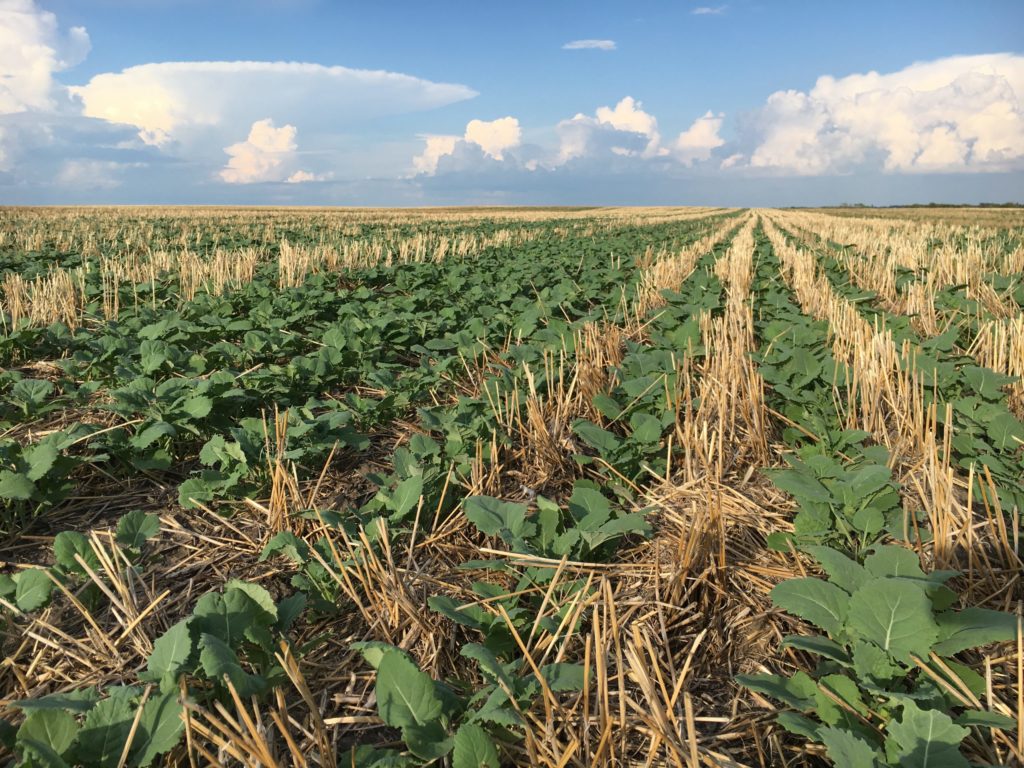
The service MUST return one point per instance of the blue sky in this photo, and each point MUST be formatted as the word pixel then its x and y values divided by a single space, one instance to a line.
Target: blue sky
pixel 407 103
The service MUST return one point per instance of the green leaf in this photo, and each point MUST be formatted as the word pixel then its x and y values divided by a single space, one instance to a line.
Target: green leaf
pixel 798 725
pixel 55 728
pixel 66 545
pixel 33 392
pixel 891 560
pixel 846 750
pixel 33 588
pixel 474 748
pixel 1006 432
pixel 821 646
pixel 405 696
pixel 428 742
pixel 977 719
pixel 226 616
pixel 171 653
pixel 160 727
pixel 845 573
pixel 815 600
pixel 198 407
pixel 562 676
pixel 136 528
pixel 488 662
pixel 971 628
pixel 40 459
pixel 288 544
pixel 498 518
pixel 15 486
pixel 985 381
pixel 259 596
pixel 406 497
pixel 896 616
pixel 869 479
pixel 373 651
pixel 797 691
pixel 926 739
pixel 74 701
pixel 219 661
pixel 800 484
pixel 105 732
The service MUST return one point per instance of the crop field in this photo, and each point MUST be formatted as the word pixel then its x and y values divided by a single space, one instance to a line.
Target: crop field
pixel 511 487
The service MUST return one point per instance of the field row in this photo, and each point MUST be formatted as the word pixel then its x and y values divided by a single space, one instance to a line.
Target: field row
pixel 577 491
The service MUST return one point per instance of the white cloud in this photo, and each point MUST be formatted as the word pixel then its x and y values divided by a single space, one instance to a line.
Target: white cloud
pixel 495 136
pixel 171 101
pixel 699 140
pixel 492 137
pixel 708 10
pixel 32 50
pixel 585 45
pixel 626 121
pixel 268 154
pixel 963 113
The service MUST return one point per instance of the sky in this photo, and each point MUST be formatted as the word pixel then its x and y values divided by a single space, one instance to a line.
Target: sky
pixel 323 102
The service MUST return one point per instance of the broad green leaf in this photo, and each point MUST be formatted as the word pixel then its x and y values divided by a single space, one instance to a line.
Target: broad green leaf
pixel 891 560
pixel 845 573
pixel 800 484
pixel 79 701
pixel 925 739
pixel 16 486
pixel 160 727
pixel 869 479
pixel 817 601
pixel 66 545
pixel 198 407
pixel 797 691
pixel 896 616
pixel 563 676
pixel 405 696
pixel 288 544
pixel 373 651
pixel 136 528
pixel 219 661
pixel 974 718
pixel 429 741
pixel 971 628
pixel 171 653
pixel 226 615
pixel 488 662
pixel 33 588
pixel 493 516
pixel 798 725
pixel 1006 432
pixel 259 595
pixel 105 732
pixel 821 646
pixel 55 728
pixel 846 750
pixel 32 392
pixel 40 459
pixel 406 497
pixel 474 748
pixel 467 614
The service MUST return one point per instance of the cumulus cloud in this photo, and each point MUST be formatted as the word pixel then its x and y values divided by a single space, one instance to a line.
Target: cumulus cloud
pixel 963 113
pixel 585 45
pixel 32 50
pixel 87 173
pixel 268 154
pixel 167 101
pixel 491 137
pixel 699 140
pixel 625 130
